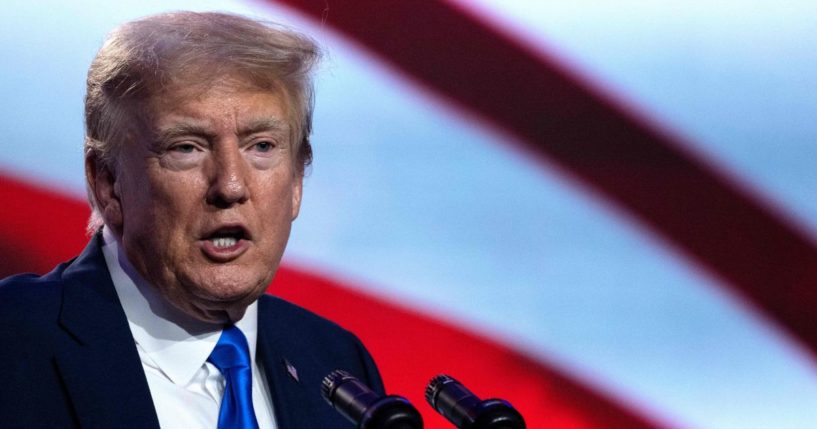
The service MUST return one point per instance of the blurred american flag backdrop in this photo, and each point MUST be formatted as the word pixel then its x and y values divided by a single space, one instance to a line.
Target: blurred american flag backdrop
pixel 603 212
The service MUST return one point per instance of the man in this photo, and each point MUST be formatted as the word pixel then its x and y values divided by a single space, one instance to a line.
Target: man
pixel 197 136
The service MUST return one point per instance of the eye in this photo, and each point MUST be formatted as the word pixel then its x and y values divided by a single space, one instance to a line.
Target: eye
pixel 182 154
pixel 183 148
pixel 264 146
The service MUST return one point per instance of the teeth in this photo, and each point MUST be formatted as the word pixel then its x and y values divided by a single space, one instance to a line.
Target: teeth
pixel 224 242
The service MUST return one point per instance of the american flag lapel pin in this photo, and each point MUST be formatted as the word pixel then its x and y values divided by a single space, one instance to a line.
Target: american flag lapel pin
pixel 291 370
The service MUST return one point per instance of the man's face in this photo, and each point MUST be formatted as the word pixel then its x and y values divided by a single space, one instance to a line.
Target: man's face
pixel 207 198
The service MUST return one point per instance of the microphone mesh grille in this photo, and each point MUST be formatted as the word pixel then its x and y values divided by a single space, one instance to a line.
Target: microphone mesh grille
pixel 434 386
pixel 331 382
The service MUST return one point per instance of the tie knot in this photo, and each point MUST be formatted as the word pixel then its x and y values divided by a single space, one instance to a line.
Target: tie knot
pixel 231 350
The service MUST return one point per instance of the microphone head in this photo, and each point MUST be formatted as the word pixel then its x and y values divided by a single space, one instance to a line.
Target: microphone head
pixel 332 381
pixel 365 408
pixel 466 411
pixel 435 386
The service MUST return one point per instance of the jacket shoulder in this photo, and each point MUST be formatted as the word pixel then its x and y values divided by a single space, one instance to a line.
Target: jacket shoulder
pixel 307 333
pixel 306 319
pixel 304 327
pixel 30 298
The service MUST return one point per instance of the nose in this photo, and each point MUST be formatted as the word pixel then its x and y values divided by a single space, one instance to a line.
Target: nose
pixel 228 182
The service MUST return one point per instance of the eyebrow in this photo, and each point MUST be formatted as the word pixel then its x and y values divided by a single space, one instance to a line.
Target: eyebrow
pixel 266 124
pixel 183 129
pixel 187 129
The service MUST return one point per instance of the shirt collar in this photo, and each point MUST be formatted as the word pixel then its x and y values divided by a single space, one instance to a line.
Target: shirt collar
pixel 176 342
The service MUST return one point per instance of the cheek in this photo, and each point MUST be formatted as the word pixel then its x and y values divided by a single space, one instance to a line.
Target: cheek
pixel 281 198
pixel 275 208
pixel 173 190
pixel 162 206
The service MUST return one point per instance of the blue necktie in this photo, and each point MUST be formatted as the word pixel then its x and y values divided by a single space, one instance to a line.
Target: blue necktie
pixel 232 357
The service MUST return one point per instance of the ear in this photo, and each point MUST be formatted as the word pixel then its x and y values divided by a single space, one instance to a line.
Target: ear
pixel 105 189
pixel 297 191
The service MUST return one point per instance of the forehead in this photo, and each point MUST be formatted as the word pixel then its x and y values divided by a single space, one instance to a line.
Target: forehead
pixel 217 100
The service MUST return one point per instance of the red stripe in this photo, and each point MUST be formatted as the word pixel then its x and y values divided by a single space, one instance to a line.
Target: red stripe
pixel 557 117
pixel 410 348
pixel 38 228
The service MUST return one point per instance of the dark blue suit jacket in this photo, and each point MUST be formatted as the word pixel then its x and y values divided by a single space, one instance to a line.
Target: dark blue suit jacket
pixel 67 357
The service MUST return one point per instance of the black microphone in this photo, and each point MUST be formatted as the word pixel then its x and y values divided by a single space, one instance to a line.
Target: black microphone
pixel 466 411
pixel 365 408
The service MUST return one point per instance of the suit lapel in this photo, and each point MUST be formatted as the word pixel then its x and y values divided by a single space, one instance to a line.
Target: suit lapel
pixel 101 367
pixel 289 388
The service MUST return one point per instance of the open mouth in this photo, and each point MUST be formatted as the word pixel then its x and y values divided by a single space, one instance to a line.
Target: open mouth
pixel 227 238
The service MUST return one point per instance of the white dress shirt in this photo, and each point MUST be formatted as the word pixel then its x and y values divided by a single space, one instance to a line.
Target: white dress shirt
pixel 174 348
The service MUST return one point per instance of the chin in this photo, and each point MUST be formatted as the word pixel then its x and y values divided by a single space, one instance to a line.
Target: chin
pixel 219 294
pixel 229 287
pixel 221 317
pixel 217 308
